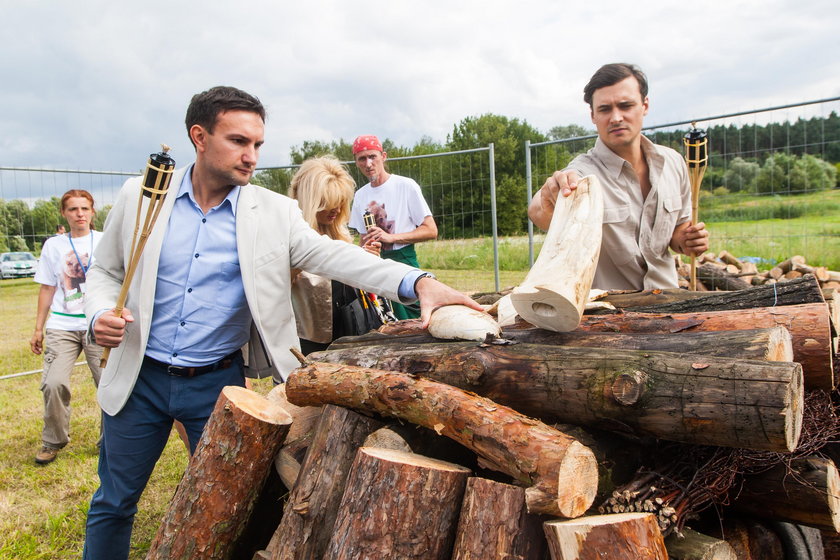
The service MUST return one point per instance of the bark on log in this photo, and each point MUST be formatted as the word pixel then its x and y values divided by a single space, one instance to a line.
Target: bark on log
pixel 808 325
pixel 555 291
pixel 831 544
pixel 494 524
pixel 694 399
pixel 715 277
pixel 691 545
pixel 305 530
pixel 772 344
pixel 398 505
pixel 795 292
pixel 626 536
pixel 749 538
pixel 304 422
pixel 561 473
pixel 807 493
pixel 214 498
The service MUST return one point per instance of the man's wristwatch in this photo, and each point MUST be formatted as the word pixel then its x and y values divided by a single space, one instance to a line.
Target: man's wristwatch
pixel 424 275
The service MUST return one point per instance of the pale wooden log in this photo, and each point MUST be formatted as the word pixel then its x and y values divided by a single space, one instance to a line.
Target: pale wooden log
pixel 562 474
pixel 494 524
pixel 398 505
pixel 792 275
pixel 808 325
pixel 304 421
pixel 773 344
pixel 459 322
pixel 728 258
pixel 623 536
pixel 695 399
pixel 715 277
pixel 807 493
pixel 305 530
pixel 555 291
pixel 214 498
pixel 691 545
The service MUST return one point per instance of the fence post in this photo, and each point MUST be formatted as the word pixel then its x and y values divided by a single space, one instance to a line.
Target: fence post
pixel 528 187
pixel 492 156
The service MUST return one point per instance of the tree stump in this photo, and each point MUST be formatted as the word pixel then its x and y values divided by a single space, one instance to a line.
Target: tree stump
pixel 214 498
pixel 621 536
pixel 307 524
pixel 398 505
pixel 495 524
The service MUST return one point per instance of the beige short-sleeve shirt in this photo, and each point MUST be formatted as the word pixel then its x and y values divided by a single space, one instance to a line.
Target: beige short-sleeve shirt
pixel 637 231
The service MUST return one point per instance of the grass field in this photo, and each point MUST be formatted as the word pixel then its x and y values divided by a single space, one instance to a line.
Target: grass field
pixel 42 509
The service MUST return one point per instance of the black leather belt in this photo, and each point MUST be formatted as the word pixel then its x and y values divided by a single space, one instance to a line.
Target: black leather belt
pixel 193 371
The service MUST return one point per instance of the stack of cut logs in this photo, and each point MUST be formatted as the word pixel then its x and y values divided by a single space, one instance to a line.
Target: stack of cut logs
pixel 684 425
pixel 723 271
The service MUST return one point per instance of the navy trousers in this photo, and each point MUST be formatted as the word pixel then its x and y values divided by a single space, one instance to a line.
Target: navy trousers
pixel 132 442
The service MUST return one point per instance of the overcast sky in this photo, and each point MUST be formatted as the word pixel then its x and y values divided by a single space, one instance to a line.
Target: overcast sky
pixel 96 84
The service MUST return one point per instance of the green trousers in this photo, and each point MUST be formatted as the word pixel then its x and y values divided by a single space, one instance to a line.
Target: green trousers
pixel 406 255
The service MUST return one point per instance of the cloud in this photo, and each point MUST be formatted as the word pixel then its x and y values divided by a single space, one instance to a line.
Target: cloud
pixel 98 84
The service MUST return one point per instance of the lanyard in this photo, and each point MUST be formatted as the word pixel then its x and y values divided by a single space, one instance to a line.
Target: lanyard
pixel 90 255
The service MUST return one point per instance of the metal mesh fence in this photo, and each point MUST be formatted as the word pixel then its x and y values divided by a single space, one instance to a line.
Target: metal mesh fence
pixel 459 187
pixel 770 190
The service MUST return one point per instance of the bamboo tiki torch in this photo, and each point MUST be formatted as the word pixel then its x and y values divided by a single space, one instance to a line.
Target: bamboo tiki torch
pixel 697 157
pixel 154 186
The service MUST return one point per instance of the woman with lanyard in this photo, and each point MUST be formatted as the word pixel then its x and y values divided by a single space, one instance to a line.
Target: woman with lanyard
pixel 64 262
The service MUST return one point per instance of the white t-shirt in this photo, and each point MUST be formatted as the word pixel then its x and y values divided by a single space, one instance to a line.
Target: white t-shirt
pixel 397 204
pixel 63 267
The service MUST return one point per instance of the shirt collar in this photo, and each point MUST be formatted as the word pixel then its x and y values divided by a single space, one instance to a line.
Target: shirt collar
pixel 186 188
pixel 615 163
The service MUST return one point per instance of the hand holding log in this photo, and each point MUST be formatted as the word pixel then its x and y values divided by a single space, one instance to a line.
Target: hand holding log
pixel 555 292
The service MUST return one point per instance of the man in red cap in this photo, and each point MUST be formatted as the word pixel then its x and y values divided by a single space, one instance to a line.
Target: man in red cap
pixel 396 208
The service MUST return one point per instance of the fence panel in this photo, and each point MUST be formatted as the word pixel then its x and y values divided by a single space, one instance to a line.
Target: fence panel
pixel 459 187
pixel 770 190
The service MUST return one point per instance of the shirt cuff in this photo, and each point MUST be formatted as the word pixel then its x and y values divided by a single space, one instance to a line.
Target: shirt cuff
pixel 406 289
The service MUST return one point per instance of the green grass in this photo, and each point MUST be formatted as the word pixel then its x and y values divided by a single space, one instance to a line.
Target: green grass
pixel 43 508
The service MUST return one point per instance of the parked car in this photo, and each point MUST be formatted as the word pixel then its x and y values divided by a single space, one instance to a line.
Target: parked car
pixel 15 265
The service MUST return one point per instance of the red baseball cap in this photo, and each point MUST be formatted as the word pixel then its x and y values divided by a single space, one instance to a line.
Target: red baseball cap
pixel 367 142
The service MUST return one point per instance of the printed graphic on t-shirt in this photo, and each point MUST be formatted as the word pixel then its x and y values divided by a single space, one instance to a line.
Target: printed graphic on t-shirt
pixel 73 280
pixel 380 216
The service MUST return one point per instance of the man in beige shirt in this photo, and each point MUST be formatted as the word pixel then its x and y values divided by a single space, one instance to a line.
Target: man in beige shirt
pixel 647 193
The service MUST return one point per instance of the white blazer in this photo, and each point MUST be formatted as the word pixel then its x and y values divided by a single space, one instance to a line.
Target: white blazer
pixel 271 237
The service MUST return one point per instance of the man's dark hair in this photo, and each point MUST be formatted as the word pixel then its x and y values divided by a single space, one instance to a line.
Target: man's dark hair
pixel 611 74
pixel 206 106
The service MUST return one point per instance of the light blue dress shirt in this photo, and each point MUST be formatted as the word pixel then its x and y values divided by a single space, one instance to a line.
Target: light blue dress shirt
pixel 200 312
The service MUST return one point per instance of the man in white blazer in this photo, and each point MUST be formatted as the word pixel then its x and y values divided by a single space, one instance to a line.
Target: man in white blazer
pixel 214 275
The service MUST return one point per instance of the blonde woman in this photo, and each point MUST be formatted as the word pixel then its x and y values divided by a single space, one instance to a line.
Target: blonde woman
pixel 324 190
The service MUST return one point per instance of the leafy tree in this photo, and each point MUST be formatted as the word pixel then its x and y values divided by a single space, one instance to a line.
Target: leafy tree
pixel 508 137
pixel 741 175
pixel 561 132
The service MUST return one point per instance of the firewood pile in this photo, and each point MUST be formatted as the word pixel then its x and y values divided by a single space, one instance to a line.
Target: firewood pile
pixel 723 271
pixel 674 425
